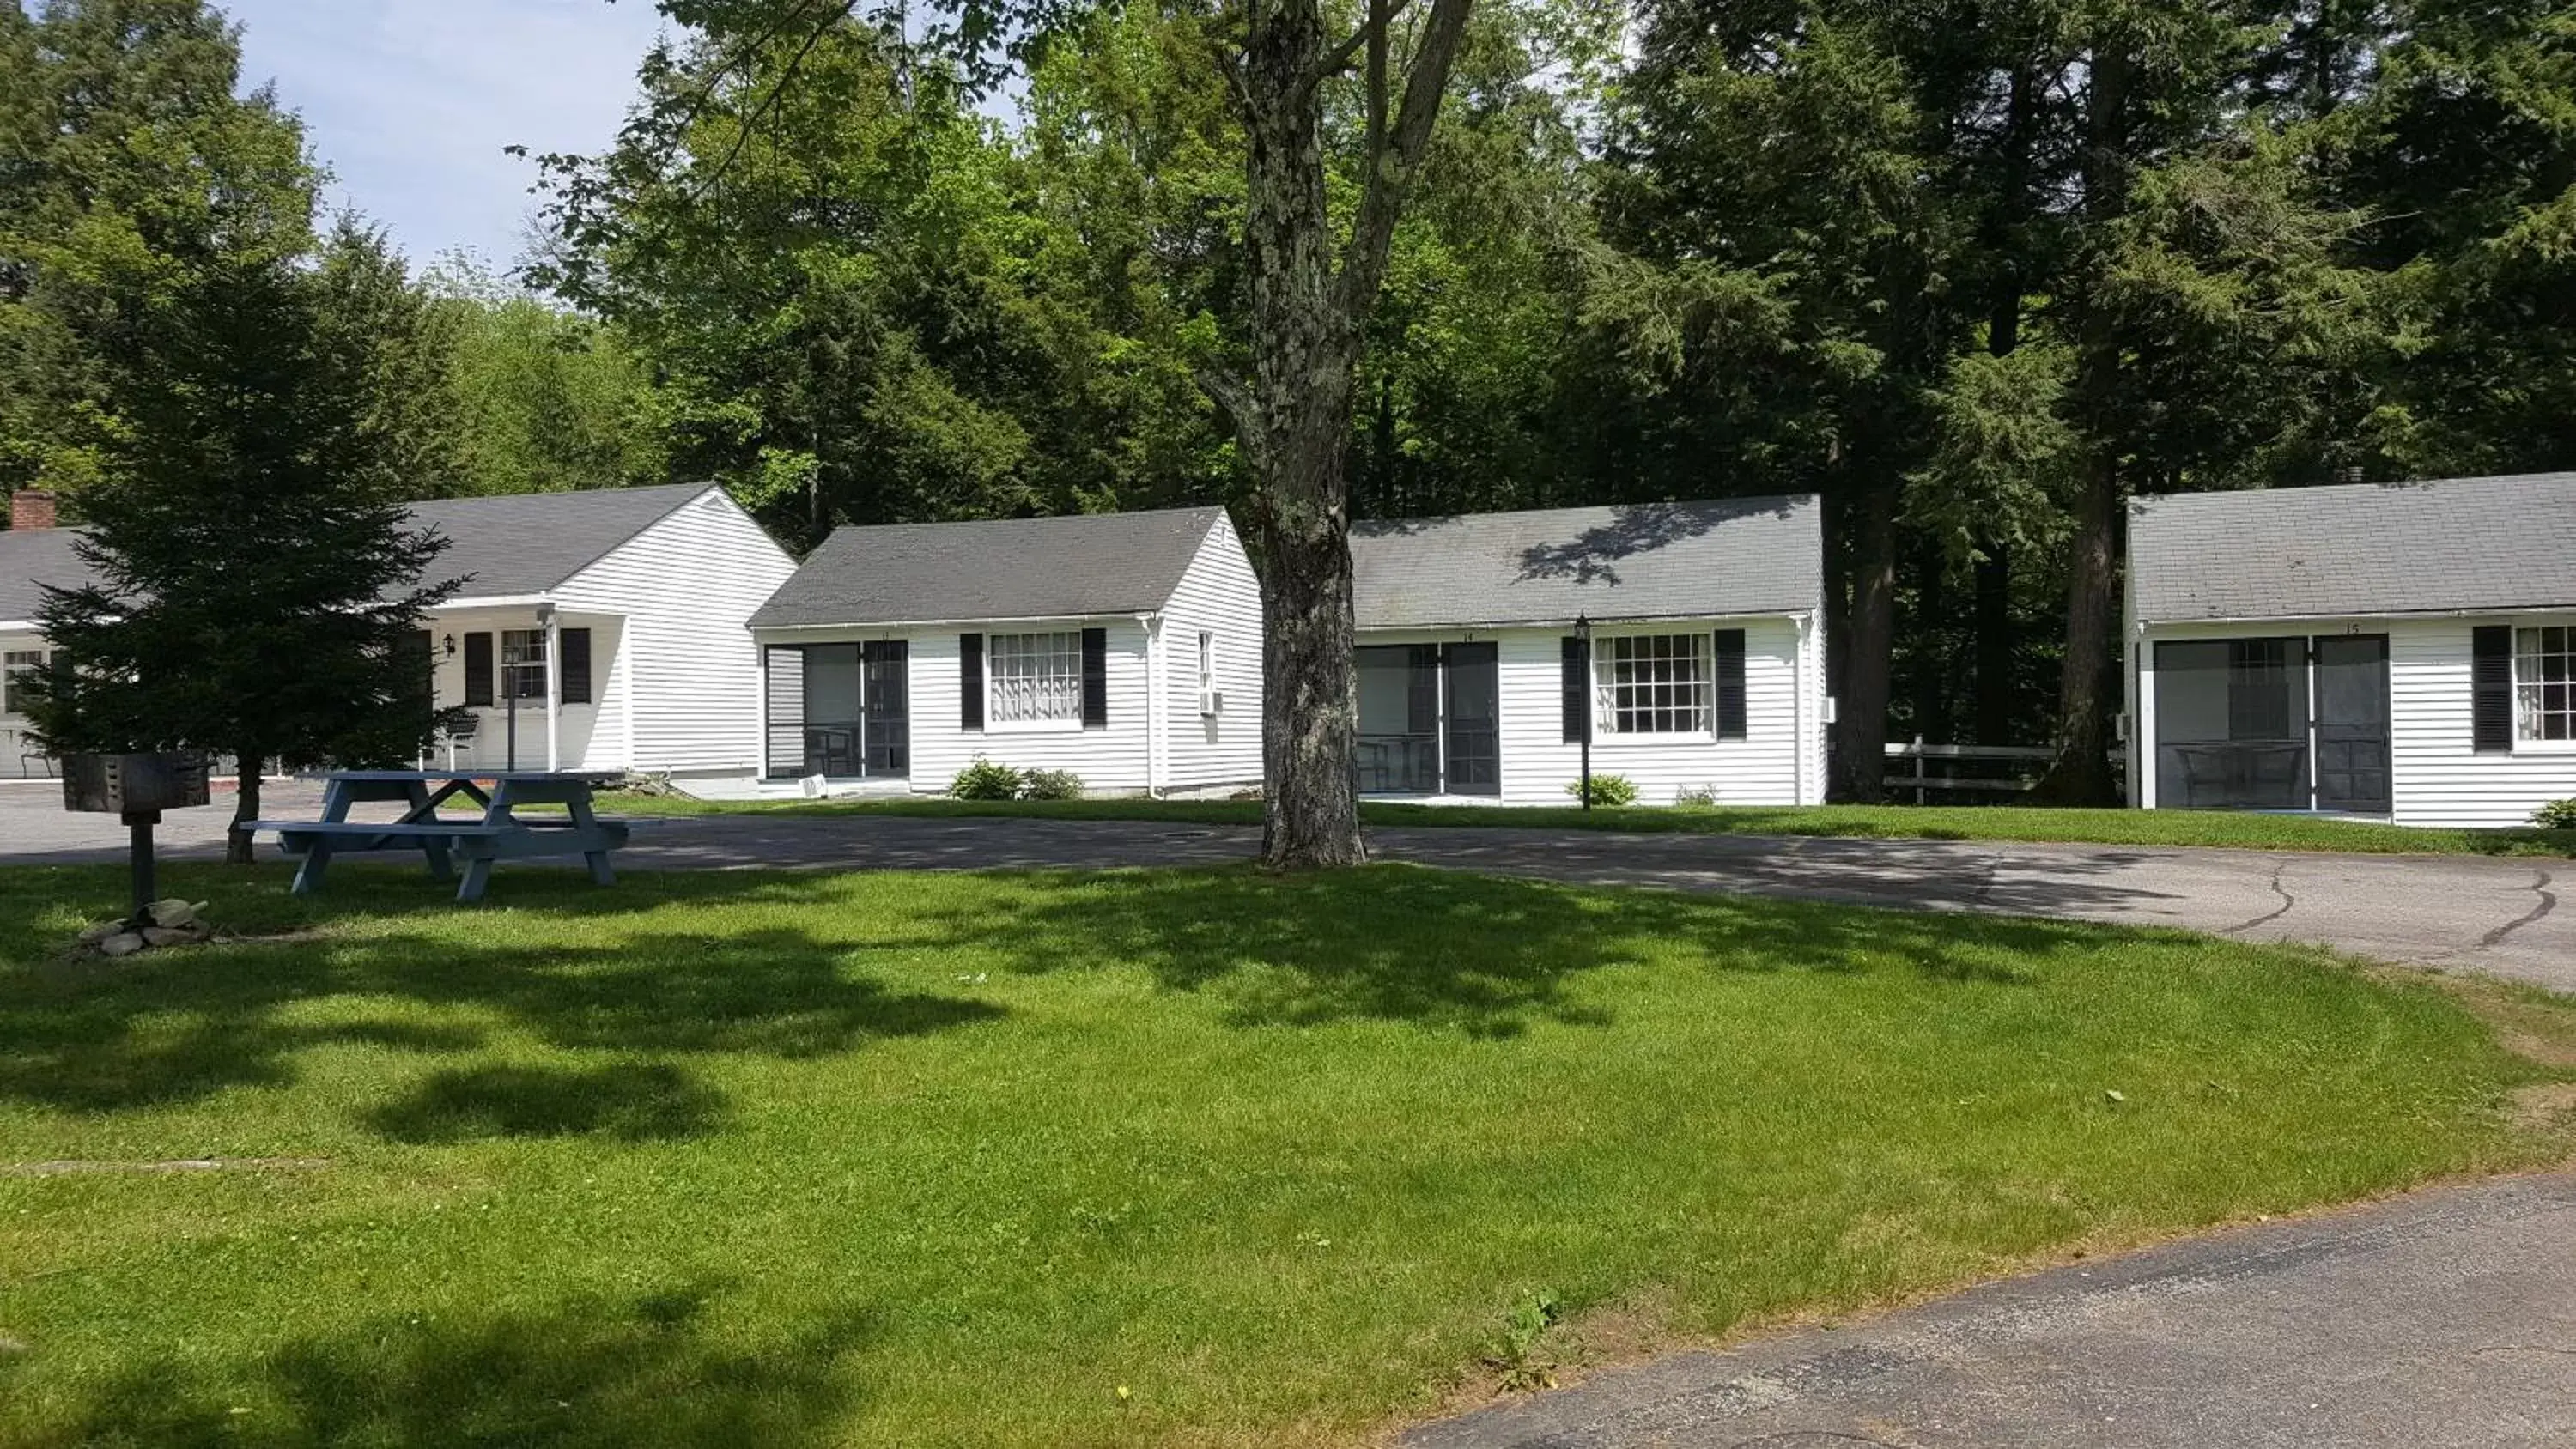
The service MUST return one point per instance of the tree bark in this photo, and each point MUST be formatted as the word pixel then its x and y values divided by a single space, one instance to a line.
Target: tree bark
pixel 1860 755
pixel 1294 421
pixel 237 840
pixel 2080 772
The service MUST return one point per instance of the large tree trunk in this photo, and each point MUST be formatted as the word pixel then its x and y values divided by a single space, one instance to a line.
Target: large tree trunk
pixel 1860 730
pixel 2080 773
pixel 237 840
pixel 1306 345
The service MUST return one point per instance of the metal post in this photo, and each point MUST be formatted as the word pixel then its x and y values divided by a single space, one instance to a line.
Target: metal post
pixel 1583 631
pixel 1922 772
pixel 139 825
pixel 510 682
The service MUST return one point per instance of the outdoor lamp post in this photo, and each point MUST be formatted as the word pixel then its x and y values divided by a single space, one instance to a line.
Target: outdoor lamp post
pixel 1583 648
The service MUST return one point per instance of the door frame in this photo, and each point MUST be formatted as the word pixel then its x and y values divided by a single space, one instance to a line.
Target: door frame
pixel 1440 666
pixel 2152 742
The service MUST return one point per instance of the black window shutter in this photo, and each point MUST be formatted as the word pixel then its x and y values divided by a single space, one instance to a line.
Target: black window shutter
pixel 2491 688
pixel 1578 689
pixel 478 669
pixel 1095 677
pixel 970 682
pixel 1730 684
pixel 573 674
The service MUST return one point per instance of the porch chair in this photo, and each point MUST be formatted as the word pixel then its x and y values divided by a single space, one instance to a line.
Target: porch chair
pixel 462 733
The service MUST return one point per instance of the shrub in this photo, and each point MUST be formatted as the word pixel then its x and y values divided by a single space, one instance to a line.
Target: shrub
pixel 1608 791
pixel 984 780
pixel 2556 815
pixel 1051 785
pixel 1700 795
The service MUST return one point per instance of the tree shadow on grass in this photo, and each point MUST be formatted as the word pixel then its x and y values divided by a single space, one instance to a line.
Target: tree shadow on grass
pixel 176 1026
pixel 1483 955
pixel 626 1102
pixel 604 1374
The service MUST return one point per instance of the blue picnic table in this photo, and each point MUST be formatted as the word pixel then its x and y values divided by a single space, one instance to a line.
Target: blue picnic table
pixel 501 834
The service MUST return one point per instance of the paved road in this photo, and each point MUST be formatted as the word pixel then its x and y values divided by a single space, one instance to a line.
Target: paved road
pixel 2451 912
pixel 2444 1320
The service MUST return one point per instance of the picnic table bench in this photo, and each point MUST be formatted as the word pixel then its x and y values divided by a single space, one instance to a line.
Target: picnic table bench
pixel 501 834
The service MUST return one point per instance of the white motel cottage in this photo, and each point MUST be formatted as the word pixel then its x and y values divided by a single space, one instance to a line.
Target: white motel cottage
pixel 1127 648
pixel 597 631
pixel 1688 638
pixel 2401 651
pixel 1124 647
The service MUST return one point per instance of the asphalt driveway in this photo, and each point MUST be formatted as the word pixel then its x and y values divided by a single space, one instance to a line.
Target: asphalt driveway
pixel 2443 1320
pixel 2499 916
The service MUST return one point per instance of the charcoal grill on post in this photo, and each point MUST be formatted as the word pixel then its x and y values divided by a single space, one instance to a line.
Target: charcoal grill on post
pixel 138 787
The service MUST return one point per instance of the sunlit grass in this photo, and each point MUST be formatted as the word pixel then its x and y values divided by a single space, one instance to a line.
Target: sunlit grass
pixel 2236 829
pixel 951 1159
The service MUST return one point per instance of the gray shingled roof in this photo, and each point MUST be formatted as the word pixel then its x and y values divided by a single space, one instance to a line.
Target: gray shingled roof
pixel 1628 561
pixel 30 557
pixel 1074 566
pixel 2370 548
pixel 504 547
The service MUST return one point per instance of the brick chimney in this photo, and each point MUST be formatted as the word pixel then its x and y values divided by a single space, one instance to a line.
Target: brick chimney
pixel 31 508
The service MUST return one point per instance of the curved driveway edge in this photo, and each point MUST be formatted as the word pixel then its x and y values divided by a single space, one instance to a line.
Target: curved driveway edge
pixel 2445 1318
pixel 2500 916
pixel 2449 912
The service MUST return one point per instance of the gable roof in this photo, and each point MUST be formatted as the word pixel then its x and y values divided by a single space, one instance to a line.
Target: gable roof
pixel 31 558
pixel 1708 559
pixel 1072 566
pixel 527 543
pixel 2456 544
pixel 504 547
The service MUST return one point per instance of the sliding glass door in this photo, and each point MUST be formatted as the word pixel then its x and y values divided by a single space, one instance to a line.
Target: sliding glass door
pixel 1430 719
pixel 839 710
pixel 1399 745
pixel 2284 723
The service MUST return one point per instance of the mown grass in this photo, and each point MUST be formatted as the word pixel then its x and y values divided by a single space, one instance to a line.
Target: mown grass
pixel 1184 1157
pixel 2237 830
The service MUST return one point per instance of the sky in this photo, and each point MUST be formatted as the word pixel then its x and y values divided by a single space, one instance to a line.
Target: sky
pixel 411 102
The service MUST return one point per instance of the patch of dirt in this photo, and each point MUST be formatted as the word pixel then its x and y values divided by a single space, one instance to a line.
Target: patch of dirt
pixel 2526 1022
pixel 2546 1106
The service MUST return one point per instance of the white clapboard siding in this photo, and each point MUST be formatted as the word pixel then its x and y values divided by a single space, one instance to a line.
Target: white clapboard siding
pixel 1774 764
pixel 687 587
pixel 2438 776
pixel 1217 594
pixel 2441 779
pixel 1111 760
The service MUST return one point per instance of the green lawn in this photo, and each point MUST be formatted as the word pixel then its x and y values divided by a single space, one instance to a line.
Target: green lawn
pixel 1982 822
pixel 781 1159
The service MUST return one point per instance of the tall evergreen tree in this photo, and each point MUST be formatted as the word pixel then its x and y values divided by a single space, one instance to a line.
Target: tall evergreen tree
pixel 256 589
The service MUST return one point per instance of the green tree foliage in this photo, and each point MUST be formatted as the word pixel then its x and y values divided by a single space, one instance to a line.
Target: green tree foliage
pixel 256 592
pixel 127 161
pixel 543 400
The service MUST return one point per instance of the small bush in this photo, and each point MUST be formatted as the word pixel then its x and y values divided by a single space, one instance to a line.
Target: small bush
pixel 1051 785
pixel 2556 815
pixel 1608 791
pixel 1700 795
pixel 984 780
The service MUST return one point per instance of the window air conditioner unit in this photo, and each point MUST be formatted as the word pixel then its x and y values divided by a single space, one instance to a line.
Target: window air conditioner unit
pixel 1211 702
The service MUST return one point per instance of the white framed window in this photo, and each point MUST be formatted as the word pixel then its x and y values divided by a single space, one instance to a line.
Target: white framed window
pixel 16 666
pixel 523 664
pixel 1207 661
pixel 2544 684
pixel 1653 684
pixel 1033 679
